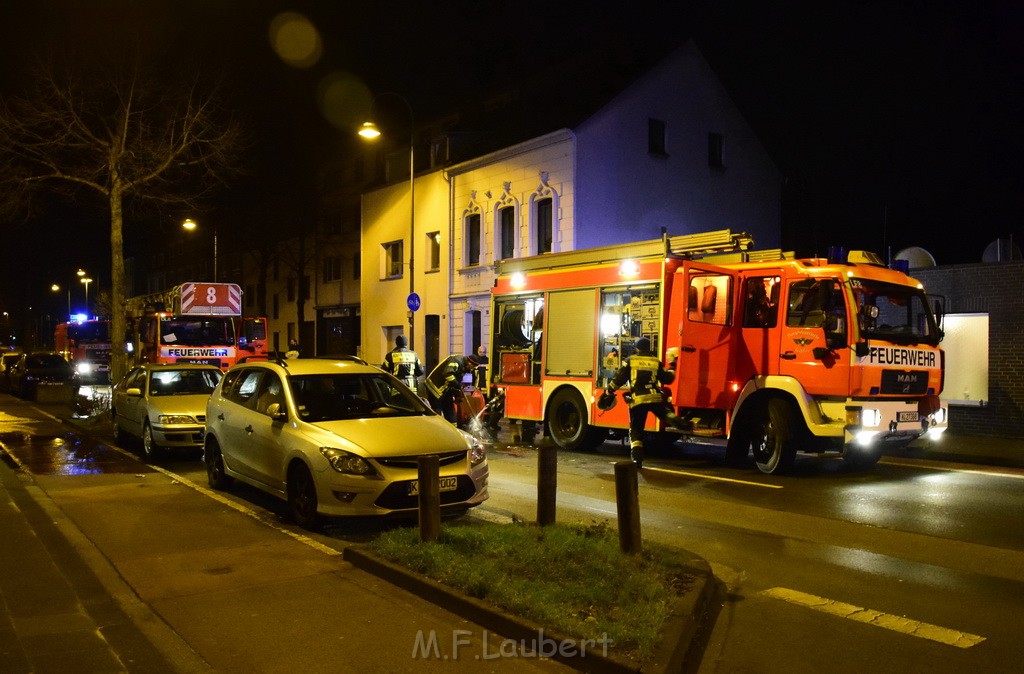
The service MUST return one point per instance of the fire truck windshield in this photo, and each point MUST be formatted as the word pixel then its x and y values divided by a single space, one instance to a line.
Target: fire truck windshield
pixel 197 331
pixel 895 313
pixel 90 332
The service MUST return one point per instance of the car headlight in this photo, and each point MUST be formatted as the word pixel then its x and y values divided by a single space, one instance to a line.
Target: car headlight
pixel 346 462
pixel 167 419
pixel 477 451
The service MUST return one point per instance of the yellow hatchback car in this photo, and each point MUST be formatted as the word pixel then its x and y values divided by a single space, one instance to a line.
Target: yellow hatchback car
pixel 335 437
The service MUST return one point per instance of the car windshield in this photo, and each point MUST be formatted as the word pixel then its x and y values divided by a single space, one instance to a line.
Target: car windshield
pixel 183 382
pixel 93 331
pixel 895 313
pixel 332 397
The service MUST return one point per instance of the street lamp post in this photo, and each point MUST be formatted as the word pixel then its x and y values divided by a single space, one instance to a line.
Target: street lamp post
pixel 86 280
pixel 370 131
pixel 190 224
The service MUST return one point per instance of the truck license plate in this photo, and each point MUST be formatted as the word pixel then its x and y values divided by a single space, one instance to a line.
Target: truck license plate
pixel 906 416
pixel 445 484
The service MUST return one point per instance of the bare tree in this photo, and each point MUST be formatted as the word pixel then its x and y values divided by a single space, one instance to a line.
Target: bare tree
pixel 120 135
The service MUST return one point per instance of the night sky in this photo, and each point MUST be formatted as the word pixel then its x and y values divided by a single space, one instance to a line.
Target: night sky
pixel 895 124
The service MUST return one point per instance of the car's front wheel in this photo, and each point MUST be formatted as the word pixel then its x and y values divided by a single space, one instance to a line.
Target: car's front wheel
pixel 215 473
pixel 302 496
pixel 151 451
pixel 120 436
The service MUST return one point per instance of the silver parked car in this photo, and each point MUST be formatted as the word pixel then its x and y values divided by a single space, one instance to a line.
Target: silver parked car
pixel 164 405
pixel 335 437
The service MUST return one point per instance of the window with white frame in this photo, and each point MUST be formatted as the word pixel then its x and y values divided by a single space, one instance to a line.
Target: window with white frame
pixel 472 239
pixel 433 251
pixel 544 229
pixel 392 254
pixel 507 232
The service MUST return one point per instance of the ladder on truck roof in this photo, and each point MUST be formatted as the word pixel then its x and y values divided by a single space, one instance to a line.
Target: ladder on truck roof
pixel 719 242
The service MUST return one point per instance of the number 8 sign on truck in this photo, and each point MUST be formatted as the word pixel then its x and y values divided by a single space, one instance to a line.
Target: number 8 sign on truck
pixel 211 299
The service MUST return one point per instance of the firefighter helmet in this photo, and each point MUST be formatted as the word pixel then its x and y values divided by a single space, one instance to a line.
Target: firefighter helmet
pixel 606 401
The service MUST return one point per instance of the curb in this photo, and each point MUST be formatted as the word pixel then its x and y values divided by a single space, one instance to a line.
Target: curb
pixel 682 626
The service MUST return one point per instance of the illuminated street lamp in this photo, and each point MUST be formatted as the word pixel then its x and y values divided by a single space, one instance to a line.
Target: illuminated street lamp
pixel 190 225
pixel 369 131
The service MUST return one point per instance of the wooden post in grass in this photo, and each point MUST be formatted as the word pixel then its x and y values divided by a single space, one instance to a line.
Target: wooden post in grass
pixel 429 497
pixel 547 481
pixel 627 500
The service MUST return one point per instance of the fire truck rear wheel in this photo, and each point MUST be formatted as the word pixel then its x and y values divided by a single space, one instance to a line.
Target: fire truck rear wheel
pixel 567 421
pixel 151 451
pixel 773 440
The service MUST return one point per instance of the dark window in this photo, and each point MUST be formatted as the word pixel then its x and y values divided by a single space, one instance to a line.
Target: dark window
pixel 434 251
pixel 332 268
pixel 715 147
pixel 656 137
pixel 544 228
pixel 393 253
pixel 291 289
pixel 473 239
pixel 507 218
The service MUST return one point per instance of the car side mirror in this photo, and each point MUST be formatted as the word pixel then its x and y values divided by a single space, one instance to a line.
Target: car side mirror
pixel 275 412
pixel 137 392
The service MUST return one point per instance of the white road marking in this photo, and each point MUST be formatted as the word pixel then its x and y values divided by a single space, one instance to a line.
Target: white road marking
pixel 713 477
pixel 868 616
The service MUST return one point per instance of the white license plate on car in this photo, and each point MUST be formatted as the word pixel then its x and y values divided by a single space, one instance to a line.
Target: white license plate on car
pixel 906 416
pixel 444 484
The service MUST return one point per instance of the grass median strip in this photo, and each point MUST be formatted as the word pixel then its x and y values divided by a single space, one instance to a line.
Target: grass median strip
pixel 565 577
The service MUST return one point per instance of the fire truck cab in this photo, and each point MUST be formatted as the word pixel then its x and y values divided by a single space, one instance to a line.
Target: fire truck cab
pixel 773 355
pixel 196 323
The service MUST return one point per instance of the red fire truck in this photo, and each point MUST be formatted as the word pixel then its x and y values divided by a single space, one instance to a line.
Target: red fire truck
pixel 86 345
pixel 195 323
pixel 773 355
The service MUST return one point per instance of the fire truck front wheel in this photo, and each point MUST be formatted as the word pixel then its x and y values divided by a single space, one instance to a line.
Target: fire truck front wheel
pixel 567 422
pixel 774 437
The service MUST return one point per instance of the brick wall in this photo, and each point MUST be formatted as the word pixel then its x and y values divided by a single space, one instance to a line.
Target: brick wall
pixel 998 290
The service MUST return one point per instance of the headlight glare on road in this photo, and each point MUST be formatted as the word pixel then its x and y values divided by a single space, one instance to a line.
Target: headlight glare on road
pixel 169 419
pixel 346 462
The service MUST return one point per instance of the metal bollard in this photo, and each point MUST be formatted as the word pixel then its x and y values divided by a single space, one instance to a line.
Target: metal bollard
pixel 547 482
pixel 627 500
pixel 428 468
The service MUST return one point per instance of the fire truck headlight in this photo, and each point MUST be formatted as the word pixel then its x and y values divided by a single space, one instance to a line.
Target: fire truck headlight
pixel 865 437
pixel 939 416
pixel 83 368
pixel 169 419
pixel 871 418
pixel 864 417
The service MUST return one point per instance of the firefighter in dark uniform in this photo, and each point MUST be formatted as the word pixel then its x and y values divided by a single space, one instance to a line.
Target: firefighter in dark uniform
pixel 404 363
pixel 644 374
pixel 444 385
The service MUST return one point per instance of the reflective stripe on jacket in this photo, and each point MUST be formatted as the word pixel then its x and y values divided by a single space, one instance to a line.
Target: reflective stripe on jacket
pixel 643 380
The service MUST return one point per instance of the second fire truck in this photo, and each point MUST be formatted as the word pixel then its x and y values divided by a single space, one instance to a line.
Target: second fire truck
pixel 773 355
pixel 195 322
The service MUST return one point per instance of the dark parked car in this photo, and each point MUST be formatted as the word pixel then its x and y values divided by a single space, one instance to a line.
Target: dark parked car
pixel 40 369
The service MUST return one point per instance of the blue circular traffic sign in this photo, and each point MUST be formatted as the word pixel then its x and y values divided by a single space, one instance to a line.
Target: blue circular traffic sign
pixel 413 302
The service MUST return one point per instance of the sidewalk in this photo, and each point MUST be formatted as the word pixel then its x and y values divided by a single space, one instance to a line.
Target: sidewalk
pixel 136 572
